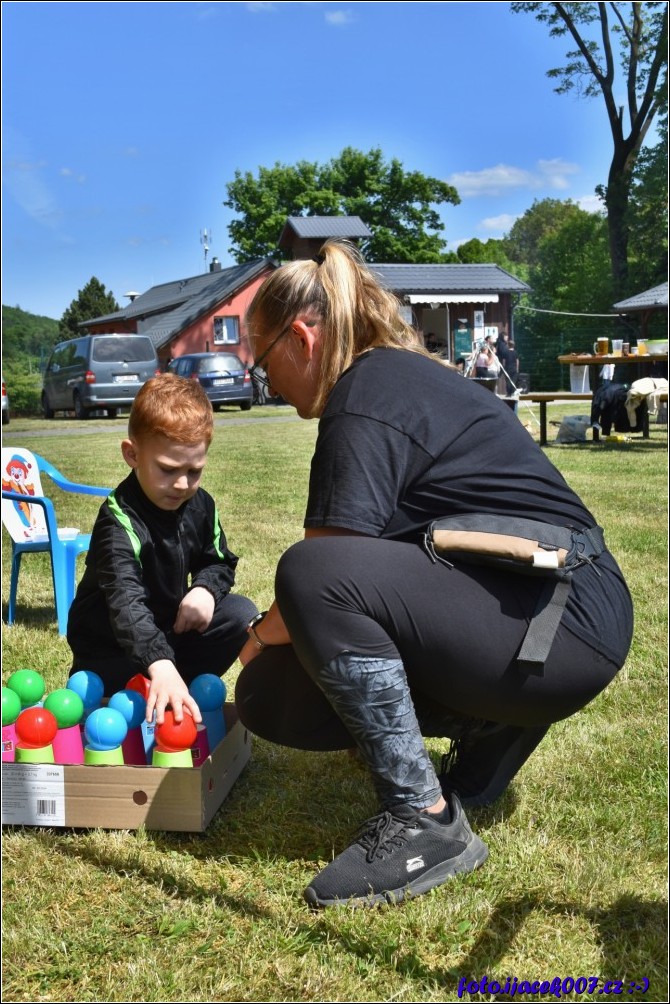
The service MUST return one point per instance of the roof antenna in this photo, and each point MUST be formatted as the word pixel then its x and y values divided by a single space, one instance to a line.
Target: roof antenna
pixel 206 241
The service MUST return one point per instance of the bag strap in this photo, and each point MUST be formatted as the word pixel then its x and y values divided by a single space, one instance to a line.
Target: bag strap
pixel 542 629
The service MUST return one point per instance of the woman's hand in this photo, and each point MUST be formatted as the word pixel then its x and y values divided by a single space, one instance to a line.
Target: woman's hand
pixel 270 631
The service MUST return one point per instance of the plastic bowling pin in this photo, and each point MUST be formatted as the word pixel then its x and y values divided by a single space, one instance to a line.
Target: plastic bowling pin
pixel 11 709
pixel 67 708
pixel 90 688
pixel 35 730
pixel 209 693
pixel 174 741
pixel 29 685
pixel 141 684
pixel 105 730
pixel 132 706
pixel 200 748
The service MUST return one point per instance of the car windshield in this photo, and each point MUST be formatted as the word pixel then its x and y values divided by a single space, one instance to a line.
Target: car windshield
pixel 130 349
pixel 220 364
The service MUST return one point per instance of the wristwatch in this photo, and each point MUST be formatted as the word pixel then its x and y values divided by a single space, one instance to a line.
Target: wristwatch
pixel 251 628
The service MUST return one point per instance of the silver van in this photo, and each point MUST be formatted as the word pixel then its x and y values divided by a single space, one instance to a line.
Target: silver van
pixel 97 372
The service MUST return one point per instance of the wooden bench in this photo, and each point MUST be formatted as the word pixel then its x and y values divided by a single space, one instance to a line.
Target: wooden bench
pixel 545 397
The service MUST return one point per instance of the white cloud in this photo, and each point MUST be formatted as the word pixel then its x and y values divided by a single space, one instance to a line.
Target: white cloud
pixel 503 178
pixel 24 180
pixel 590 204
pixel 67 172
pixel 501 223
pixel 338 18
pixel 556 172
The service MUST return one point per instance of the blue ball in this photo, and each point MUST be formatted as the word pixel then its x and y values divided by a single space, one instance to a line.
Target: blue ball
pixel 132 706
pixel 105 729
pixel 208 691
pixel 89 686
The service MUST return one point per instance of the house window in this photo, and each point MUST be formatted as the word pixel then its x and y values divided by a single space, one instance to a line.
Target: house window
pixel 226 330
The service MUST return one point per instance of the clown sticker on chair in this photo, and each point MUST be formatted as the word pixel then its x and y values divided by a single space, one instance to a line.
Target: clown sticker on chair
pixel 17 477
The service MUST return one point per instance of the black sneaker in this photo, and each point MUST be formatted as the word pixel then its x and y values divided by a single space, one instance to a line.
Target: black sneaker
pixel 479 767
pixel 400 853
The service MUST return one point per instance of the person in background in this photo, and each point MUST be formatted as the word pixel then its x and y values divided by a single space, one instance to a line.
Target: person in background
pixel 371 643
pixel 512 367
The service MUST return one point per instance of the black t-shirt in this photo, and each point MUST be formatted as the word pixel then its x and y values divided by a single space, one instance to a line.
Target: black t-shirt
pixel 404 440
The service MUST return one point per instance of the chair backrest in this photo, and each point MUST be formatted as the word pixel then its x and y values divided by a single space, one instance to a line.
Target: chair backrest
pixel 21 474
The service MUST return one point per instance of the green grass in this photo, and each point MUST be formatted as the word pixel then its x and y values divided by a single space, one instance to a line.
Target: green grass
pixel 575 884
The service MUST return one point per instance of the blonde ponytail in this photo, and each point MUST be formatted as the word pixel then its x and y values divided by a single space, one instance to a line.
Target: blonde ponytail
pixel 355 312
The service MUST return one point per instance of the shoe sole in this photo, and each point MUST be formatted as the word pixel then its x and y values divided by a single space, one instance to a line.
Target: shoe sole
pixel 474 855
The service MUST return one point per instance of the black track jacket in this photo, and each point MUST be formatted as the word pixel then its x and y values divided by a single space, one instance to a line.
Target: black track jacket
pixel 137 573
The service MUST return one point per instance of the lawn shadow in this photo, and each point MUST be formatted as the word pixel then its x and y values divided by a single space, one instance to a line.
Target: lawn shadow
pixel 28 616
pixel 130 865
pixel 631 933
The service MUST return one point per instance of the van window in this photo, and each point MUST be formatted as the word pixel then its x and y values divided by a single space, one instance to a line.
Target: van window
pixel 120 348
pixel 69 354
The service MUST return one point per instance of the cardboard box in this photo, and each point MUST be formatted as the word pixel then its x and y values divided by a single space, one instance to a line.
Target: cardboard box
pixel 124 798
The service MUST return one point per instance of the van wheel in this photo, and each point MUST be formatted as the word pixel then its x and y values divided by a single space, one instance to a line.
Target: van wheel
pixel 79 410
pixel 112 412
pixel 47 410
pixel 246 406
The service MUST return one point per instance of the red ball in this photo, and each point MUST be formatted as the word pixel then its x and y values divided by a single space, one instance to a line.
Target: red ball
pixel 36 727
pixel 139 683
pixel 172 737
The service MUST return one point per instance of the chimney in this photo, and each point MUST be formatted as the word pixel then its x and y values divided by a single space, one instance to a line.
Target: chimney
pixel 215 265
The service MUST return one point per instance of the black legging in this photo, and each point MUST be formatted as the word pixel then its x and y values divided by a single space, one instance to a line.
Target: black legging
pixel 457 632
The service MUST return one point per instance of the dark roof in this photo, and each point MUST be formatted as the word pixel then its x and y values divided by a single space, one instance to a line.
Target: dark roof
pixel 652 299
pixel 322 227
pixel 165 310
pixel 448 279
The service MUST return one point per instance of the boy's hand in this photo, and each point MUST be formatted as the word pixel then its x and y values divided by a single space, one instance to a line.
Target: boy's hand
pixel 195 611
pixel 168 687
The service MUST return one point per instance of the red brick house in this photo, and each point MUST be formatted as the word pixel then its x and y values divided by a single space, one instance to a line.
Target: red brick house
pixel 205 313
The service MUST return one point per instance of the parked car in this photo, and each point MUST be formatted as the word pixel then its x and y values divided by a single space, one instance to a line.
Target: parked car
pixel 97 372
pixel 5 404
pixel 222 375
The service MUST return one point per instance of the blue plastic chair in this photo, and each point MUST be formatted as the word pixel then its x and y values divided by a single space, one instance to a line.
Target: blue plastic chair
pixel 30 519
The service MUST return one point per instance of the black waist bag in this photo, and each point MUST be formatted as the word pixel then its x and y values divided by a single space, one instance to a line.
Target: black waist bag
pixel 526 547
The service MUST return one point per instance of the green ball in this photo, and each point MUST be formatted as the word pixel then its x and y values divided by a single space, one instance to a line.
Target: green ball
pixel 28 684
pixel 66 707
pixel 11 706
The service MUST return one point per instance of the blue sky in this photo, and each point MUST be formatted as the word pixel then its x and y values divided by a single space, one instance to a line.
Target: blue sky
pixel 123 122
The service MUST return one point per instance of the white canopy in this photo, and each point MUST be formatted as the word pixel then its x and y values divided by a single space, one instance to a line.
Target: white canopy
pixel 443 298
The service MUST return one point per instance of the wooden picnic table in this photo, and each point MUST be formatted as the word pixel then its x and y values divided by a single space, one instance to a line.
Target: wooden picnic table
pixel 643 363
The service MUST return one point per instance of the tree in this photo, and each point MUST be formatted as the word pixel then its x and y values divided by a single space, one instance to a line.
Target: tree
pixel 648 216
pixel 545 218
pixel 571 277
pixel 495 251
pixel 397 205
pixel 92 301
pixel 638 36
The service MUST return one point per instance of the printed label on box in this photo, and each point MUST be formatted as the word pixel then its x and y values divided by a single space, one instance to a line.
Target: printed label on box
pixel 33 794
